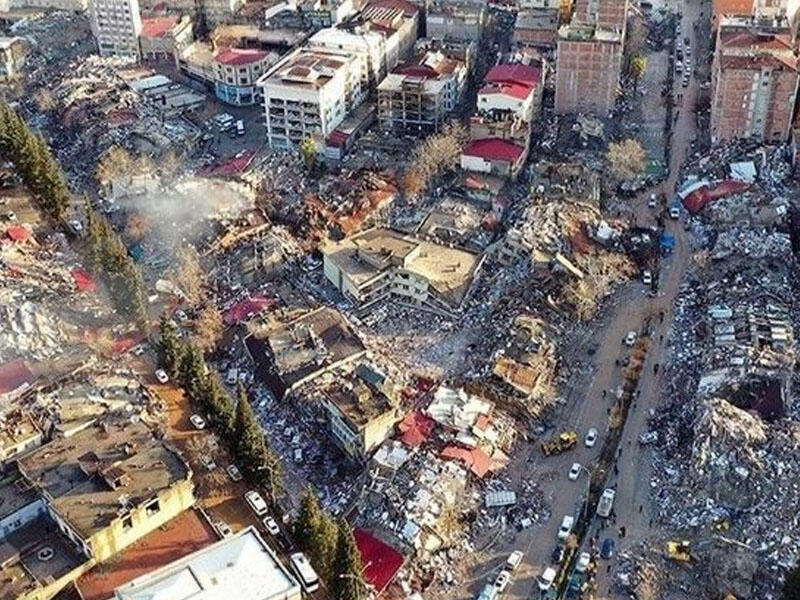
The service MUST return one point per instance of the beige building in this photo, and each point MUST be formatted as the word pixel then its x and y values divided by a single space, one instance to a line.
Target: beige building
pixel 116 25
pixel 361 410
pixel 384 264
pixel 12 57
pixel 163 37
pixel 19 434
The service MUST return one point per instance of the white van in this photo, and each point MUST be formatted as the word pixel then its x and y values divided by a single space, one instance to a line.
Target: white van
pixel 305 572
pixel 256 502
pixel 239 127
pixel 566 527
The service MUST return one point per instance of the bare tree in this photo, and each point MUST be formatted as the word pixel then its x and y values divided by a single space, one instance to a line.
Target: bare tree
pixel 208 328
pixel 626 159
pixel 189 275
pixel 438 154
pixel 116 162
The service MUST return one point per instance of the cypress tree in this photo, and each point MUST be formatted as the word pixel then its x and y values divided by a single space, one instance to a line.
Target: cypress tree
pixel 169 347
pixel 348 569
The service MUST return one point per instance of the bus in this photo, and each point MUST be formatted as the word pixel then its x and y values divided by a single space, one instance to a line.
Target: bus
pixel 308 577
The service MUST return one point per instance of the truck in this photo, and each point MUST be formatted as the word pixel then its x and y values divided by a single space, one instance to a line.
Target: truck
pixel 561 443
pixel 606 503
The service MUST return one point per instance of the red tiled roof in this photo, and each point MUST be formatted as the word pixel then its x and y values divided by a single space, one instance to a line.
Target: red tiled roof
pixel 240 56
pixel 157 27
pixel 736 38
pixel 476 459
pixel 82 280
pixel 186 533
pixel 419 71
pixel 514 73
pixel 14 375
pixel 233 166
pixel 758 62
pixel 381 560
pixel 515 90
pixel 415 428
pixel 246 309
pixel 494 149
pixel 18 233
pixel 732 7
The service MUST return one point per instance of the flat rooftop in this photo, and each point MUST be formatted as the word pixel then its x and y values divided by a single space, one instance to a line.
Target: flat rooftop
pixel 359 395
pixel 364 256
pixel 242 566
pixel 93 474
pixel 15 492
pixel 22 556
pixel 19 427
pixel 312 342
pixel 309 68
pixel 183 535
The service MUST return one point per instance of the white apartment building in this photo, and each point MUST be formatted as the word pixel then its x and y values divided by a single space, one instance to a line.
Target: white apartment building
pixel 368 46
pixel 116 25
pixel 308 93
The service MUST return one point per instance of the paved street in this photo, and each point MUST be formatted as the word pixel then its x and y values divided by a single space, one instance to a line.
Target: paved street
pixel 586 406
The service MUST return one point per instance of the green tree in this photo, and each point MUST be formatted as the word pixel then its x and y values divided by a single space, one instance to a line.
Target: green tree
pixel 218 404
pixel 308 518
pixel 192 372
pixel 791 587
pixel 348 569
pixel 170 347
pixel 316 533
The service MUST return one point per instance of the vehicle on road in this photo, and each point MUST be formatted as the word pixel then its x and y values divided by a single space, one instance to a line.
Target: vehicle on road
pixel 502 581
pixel 591 438
pixel 566 527
pixel 271 525
pixel 651 201
pixel 561 443
pixel 574 471
pixel 234 473
pixel 647 277
pixel 607 549
pixel 513 561
pixel 583 562
pixel 674 212
pixel 298 455
pixel 256 502
pixel 161 376
pixel 630 338
pixel 305 572
pixel 577 585
pixel 557 555
pixel 223 529
pixel 546 579
pixel 606 503
pixel 197 422
pixel 240 128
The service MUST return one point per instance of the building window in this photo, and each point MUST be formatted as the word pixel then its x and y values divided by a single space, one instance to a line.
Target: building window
pixel 152 508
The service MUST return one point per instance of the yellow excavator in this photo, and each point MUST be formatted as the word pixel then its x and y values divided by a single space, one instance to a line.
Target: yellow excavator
pixel 679 551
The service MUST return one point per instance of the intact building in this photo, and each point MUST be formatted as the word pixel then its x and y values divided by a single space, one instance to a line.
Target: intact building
pixel 384 264
pixel 116 25
pixel 308 93
pixel 162 37
pixel 236 72
pixel 754 80
pixel 537 27
pixel 588 68
pixel 457 19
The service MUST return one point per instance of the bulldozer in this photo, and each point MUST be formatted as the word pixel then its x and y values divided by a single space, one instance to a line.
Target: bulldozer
pixel 561 443
pixel 679 551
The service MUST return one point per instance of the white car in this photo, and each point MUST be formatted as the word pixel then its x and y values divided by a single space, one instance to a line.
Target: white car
pixel 271 526
pixel 583 562
pixel 513 561
pixel 651 201
pixel 630 339
pixel 647 277
pixel 566 527
pixel 298 455
pixel 674 212
pixel 161 376
pixel 574 471
pixel 234 473
pixel 256 502
pixel 546 579
pixel 591 438
pixel 502 581
pixel 197 422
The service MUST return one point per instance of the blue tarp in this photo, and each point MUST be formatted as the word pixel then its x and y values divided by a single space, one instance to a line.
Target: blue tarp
pixel 667 241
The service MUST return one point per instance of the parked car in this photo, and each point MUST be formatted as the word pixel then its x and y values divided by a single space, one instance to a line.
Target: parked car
pixel 234 473
pixel 197 422
pixel 223 529
pixel 583 562
pixel 651 201
pixel 607 549
pixel 546 579
pixel 674 212
pixel 256 502
pixel 630 338
pixel 298 455
pixel 574 471
pixel 513 561
pixel 647 277
pixel 591 438
pixel 161 376
pixel 502 581
pixel 557 555
pixel 271 525
pixel 566 527
pixel 208 462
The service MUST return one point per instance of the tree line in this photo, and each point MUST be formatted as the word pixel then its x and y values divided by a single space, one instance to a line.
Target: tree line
pixel 185 363
pixel 331 548
pixel 30 154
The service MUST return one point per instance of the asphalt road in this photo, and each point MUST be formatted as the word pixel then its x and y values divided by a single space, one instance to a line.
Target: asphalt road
pixel 587 407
